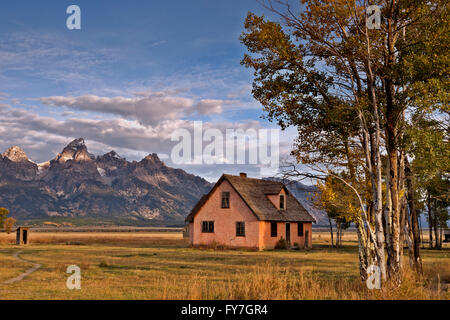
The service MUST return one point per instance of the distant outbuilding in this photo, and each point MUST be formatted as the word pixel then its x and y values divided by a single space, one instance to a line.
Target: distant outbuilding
pixel 447 235
pixel 22 235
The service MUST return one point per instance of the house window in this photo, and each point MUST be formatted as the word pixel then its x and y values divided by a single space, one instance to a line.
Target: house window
pixel 225 199
pixel 240 229
pixel 300 229
pixel 282 201
pixel 273 229
pixel 208 226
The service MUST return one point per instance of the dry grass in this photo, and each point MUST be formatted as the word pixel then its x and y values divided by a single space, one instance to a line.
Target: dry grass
pixel 276 283
pixel 163 266
pixel 112 238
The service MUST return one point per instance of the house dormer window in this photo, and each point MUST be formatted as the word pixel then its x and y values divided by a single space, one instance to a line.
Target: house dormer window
pixel 282 202
pixel 225 200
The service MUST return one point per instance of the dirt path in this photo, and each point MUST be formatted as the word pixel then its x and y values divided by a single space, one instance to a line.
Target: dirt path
pixel 35 267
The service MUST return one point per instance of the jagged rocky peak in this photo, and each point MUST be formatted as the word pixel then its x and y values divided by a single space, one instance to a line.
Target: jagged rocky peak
pixel 77 143
pixel 111 160
pixel 15 154
pixel 112 155
pixel 153 158
pixel 75 151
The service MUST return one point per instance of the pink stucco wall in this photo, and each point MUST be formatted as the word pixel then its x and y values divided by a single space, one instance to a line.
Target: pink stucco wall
pixel 268 242
pixel 225 221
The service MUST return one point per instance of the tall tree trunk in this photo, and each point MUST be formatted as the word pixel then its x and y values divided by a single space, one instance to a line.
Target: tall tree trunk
pixel 377 184
pixel 404 231
pixel 338 230
pixel 436 221
pixel 421 233
pixel 366 253
pixel 408 237
pixel 350 165
pixel 392 116
pixel 414 223
pixel 430 219
pixel 376 240
pixel 331 231
pixel 388 209
pixel 393 262
pixel 337 234
pixel 404 226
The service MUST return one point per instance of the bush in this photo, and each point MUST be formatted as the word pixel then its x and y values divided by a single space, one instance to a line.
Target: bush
pixel 3 213
pixel 9 224
pixel 281 244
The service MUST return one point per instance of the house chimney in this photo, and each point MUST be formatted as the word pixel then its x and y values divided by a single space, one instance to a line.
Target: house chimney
pixel 243 175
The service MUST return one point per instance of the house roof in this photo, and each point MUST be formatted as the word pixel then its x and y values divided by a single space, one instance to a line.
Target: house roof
pixel 254 193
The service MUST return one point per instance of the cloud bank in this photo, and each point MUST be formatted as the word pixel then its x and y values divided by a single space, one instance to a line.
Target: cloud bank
pixel 148 109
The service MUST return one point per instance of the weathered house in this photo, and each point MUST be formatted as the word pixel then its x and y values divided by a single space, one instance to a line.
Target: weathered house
pixel 247 212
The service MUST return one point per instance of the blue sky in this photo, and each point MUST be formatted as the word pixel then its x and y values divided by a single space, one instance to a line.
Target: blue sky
pixel 172 61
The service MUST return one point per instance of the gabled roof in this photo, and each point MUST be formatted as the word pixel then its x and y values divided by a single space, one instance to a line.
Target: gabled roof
pixel 254 193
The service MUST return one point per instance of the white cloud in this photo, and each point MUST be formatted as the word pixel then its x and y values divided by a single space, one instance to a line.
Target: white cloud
pixel 43 137
pixel 147 109
pixel 210 106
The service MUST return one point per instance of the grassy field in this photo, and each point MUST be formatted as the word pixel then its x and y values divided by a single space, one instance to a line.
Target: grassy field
pixel 151 265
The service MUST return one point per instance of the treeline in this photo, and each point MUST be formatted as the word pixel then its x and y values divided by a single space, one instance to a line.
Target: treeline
pixel 371 106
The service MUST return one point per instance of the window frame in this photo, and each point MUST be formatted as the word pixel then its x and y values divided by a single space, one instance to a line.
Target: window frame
pixel 300 229
pixel 282 196
pixel 240 228
pixel 272 233
pixel 207 226
pixel 225 196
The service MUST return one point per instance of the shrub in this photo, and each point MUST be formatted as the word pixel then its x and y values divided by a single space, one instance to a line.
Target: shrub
pixel 9 224
pixel 281 244
pixel 3 213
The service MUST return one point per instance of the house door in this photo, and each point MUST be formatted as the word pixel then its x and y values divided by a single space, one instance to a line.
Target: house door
pixel 288 233
pixel 25 237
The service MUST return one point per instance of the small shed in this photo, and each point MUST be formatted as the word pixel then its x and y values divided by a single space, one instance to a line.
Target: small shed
pixel 186 231
pixel 447 235
pixel 22 235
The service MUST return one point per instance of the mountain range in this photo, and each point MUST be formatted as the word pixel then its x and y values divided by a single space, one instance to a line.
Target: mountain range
pixel 79 187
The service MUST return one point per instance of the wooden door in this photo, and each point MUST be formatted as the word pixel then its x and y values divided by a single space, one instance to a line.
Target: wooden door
pixel 288 233
pixel 25 236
